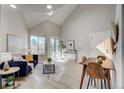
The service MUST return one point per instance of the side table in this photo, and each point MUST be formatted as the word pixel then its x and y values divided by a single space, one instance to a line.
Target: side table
pixel 12 70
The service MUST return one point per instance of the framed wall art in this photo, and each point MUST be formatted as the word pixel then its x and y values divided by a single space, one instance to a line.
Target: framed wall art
pixel 14 43
pixel 71 45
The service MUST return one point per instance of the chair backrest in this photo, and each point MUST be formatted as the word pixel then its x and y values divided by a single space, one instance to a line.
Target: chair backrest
pixel 84 58
pixel 102 57
pixel 95 70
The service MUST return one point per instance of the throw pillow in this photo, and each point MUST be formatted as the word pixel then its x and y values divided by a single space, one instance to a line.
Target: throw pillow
pixel 29 58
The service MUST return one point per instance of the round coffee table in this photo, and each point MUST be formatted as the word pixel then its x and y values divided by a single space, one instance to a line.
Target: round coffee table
pixel 12 70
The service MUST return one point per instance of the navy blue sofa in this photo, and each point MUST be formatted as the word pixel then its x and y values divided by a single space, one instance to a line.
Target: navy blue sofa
pixel 24 68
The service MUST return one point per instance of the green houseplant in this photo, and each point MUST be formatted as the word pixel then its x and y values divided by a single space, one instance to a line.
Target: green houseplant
pixel 61 46
pixel 10 80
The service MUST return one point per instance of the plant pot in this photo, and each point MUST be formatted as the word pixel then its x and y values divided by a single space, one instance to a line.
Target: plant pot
pixel 49 61
pixel 10 83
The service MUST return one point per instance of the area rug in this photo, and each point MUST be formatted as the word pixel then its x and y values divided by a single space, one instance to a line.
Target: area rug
pixel 59 70
pixel 37 78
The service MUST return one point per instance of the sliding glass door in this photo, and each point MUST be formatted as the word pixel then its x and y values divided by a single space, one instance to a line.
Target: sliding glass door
pixel 54 49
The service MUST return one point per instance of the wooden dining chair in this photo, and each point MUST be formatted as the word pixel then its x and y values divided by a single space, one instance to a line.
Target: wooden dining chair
pixel 83 59
pixel 102 57
pixel 95 71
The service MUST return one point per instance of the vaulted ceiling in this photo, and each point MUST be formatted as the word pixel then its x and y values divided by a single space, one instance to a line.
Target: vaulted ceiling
pixel 35 14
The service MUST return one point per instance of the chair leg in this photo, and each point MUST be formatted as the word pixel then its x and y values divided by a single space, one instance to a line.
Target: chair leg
pixel 91 81
pixel 105 83
pixel 101 84
pixel 94 82
pixel 88 83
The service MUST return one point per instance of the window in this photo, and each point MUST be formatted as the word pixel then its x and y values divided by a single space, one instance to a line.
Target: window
pixel 37 45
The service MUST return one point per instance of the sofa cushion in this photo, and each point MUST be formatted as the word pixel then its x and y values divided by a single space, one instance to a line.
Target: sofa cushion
pixel 29 69
pixel 0 66
pixel 35 59
pixel 18 58
pixel 31 65
pixel 34 62
pixel 23 67
pixel 23 56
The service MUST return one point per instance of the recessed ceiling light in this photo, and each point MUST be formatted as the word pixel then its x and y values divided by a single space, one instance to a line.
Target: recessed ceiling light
pixel 13 6
pixel 49 7
pixel 50 13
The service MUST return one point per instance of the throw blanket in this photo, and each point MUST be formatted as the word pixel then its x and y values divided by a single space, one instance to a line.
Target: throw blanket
pixel 30 64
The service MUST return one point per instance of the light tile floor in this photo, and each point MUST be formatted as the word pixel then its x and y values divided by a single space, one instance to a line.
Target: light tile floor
pixel 69 79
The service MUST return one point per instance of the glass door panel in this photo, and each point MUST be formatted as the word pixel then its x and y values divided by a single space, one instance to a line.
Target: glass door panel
pixel 42 45
pixel 55 51
pixel 34 44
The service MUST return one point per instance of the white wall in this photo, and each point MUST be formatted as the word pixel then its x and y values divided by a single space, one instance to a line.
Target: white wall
pixel 0 25
pixel 47 29
pixel 92 18
pixel 117 58
pixel 122 47
pixel 84 20
pixel 12 22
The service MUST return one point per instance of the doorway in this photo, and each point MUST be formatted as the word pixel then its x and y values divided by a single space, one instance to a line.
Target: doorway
pixel 100 44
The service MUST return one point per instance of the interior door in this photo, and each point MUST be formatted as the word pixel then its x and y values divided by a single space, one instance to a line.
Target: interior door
pixel 100 44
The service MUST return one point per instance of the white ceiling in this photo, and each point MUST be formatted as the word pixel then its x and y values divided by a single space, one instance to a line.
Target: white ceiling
pixel 35 14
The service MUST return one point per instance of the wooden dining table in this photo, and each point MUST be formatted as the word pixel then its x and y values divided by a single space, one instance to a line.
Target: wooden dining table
pixel 107 66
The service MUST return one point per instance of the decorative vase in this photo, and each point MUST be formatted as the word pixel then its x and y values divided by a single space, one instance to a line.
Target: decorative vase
pixel 6 66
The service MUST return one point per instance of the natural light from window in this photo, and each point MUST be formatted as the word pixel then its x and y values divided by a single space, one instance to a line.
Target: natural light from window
pixel 37 45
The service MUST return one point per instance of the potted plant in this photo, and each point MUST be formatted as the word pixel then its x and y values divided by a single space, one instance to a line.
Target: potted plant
pixel 10 80
pixel 61 46
pixel 49 59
